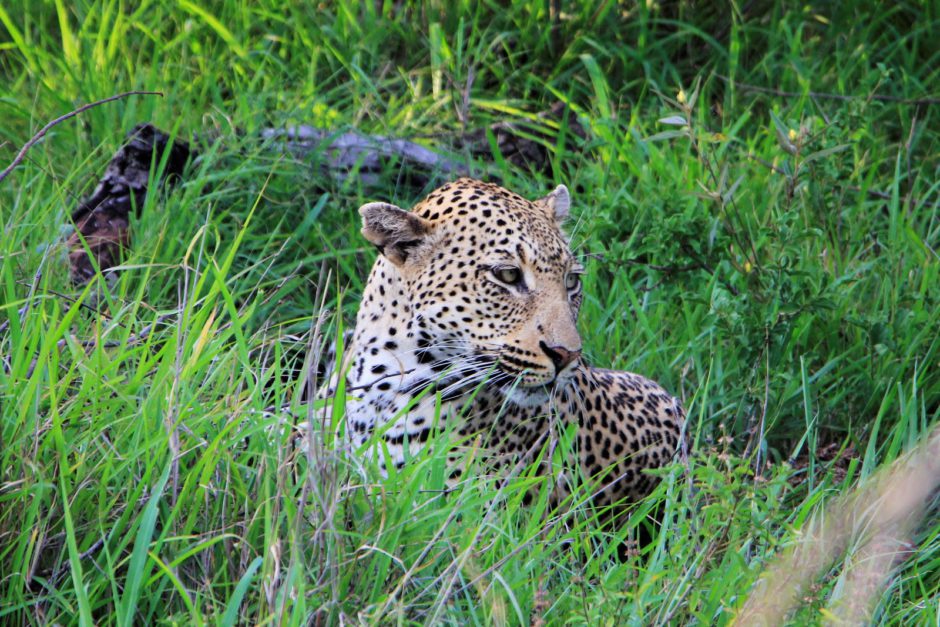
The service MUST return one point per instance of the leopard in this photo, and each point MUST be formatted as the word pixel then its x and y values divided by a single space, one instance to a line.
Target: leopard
pixel 468 320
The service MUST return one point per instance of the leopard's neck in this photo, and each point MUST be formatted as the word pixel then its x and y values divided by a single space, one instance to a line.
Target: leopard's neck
pixel 386 367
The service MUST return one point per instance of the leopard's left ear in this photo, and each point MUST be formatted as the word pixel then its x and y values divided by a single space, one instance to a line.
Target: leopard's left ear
pixel 557 203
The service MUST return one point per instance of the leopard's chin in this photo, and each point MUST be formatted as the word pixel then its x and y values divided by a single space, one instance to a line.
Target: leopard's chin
pixel 533 393
pixel 529 396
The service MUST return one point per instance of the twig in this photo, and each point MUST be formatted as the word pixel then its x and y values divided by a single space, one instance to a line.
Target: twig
pixel 68 563
pixel 131 340
pixel 665 269
pixel 767 164
pixel 699 264
pixel 71 114
pixel 827 96
pixel 66 297
pixel 87 344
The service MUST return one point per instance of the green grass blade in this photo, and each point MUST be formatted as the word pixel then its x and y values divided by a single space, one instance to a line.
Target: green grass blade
pixel 139 568
pixel 231 617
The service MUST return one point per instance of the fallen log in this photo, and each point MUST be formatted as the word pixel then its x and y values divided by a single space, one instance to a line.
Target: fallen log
pixel 365 155
pixel 102 220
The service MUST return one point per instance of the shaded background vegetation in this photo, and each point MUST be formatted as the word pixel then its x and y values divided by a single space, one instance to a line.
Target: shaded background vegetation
pixel 774 263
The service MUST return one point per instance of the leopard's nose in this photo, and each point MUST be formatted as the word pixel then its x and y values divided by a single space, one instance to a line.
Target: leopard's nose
pixel 559 355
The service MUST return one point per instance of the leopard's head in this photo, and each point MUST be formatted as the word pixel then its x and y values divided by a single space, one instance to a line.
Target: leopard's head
pixel 492 288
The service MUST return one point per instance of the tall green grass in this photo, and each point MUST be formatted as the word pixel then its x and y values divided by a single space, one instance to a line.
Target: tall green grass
pixel 774 262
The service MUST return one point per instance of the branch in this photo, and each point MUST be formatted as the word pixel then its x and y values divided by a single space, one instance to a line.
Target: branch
pixel 826 96
pixel 871 193
pixel 665 269
pixel 71 114
pixel 86 344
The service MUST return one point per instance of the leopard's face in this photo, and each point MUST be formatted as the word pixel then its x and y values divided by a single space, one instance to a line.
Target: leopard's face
pixel 493 288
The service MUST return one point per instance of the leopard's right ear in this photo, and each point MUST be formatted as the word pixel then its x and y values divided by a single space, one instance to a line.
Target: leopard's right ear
pixel 392 230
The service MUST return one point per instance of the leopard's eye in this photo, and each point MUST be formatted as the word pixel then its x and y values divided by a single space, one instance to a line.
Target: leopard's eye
pixel 509 276
pixel 571 281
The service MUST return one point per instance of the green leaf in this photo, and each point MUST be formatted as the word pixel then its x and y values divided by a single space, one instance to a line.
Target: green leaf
pixel 599 82
pixel 231 610
pixel 783 134
pixel 139 568
pixel 674 120
pixel 824 153
pixel 666 135
pixel 75 562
